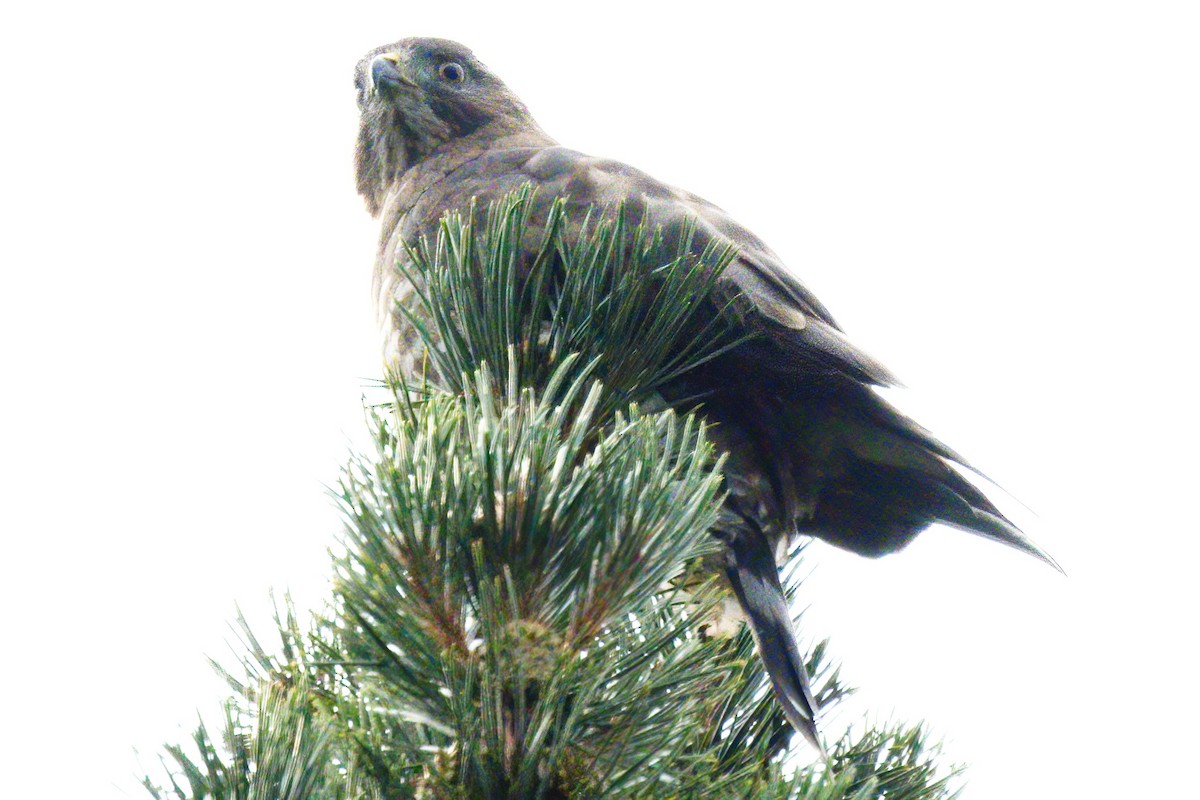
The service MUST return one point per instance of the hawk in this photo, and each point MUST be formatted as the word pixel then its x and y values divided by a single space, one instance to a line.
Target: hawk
pixel 811 448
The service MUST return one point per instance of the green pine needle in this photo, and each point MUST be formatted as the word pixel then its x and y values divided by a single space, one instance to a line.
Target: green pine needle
pixel 637 309
pixel 526 577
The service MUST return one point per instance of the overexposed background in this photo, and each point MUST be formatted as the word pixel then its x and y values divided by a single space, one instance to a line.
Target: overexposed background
pixel 1001 200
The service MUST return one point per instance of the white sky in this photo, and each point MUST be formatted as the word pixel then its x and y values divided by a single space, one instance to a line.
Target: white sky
pixel 1000 200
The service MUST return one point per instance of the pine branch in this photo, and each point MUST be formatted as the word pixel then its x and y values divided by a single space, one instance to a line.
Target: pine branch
pixel 284 734
pixel 637 308
pixel 533 562
pixel 521 606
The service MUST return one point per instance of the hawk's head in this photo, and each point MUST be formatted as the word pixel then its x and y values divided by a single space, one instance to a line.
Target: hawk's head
pixel 417 95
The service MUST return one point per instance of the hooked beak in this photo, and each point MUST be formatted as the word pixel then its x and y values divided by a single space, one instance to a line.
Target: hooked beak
pixel 386 72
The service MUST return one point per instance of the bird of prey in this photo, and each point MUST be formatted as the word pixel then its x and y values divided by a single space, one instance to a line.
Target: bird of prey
pixel 811 448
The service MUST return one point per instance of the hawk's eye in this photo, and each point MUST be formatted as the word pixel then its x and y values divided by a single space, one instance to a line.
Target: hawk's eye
pixel 452 72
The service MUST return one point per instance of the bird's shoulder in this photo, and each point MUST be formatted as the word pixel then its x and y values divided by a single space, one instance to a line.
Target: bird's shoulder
pixel 799 332
pixel 757 272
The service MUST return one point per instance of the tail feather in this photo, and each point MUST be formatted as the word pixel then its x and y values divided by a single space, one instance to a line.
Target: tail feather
pixel 751 570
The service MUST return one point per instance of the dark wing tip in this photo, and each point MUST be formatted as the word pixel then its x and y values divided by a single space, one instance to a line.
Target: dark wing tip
pixel 998 529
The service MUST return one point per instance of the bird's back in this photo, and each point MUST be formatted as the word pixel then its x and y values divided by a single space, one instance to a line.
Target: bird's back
pixel 811 445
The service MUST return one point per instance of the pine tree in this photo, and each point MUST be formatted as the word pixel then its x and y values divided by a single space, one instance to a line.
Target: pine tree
pixel 524 583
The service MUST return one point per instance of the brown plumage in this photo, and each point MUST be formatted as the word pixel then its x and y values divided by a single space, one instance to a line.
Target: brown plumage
pixel 812 449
